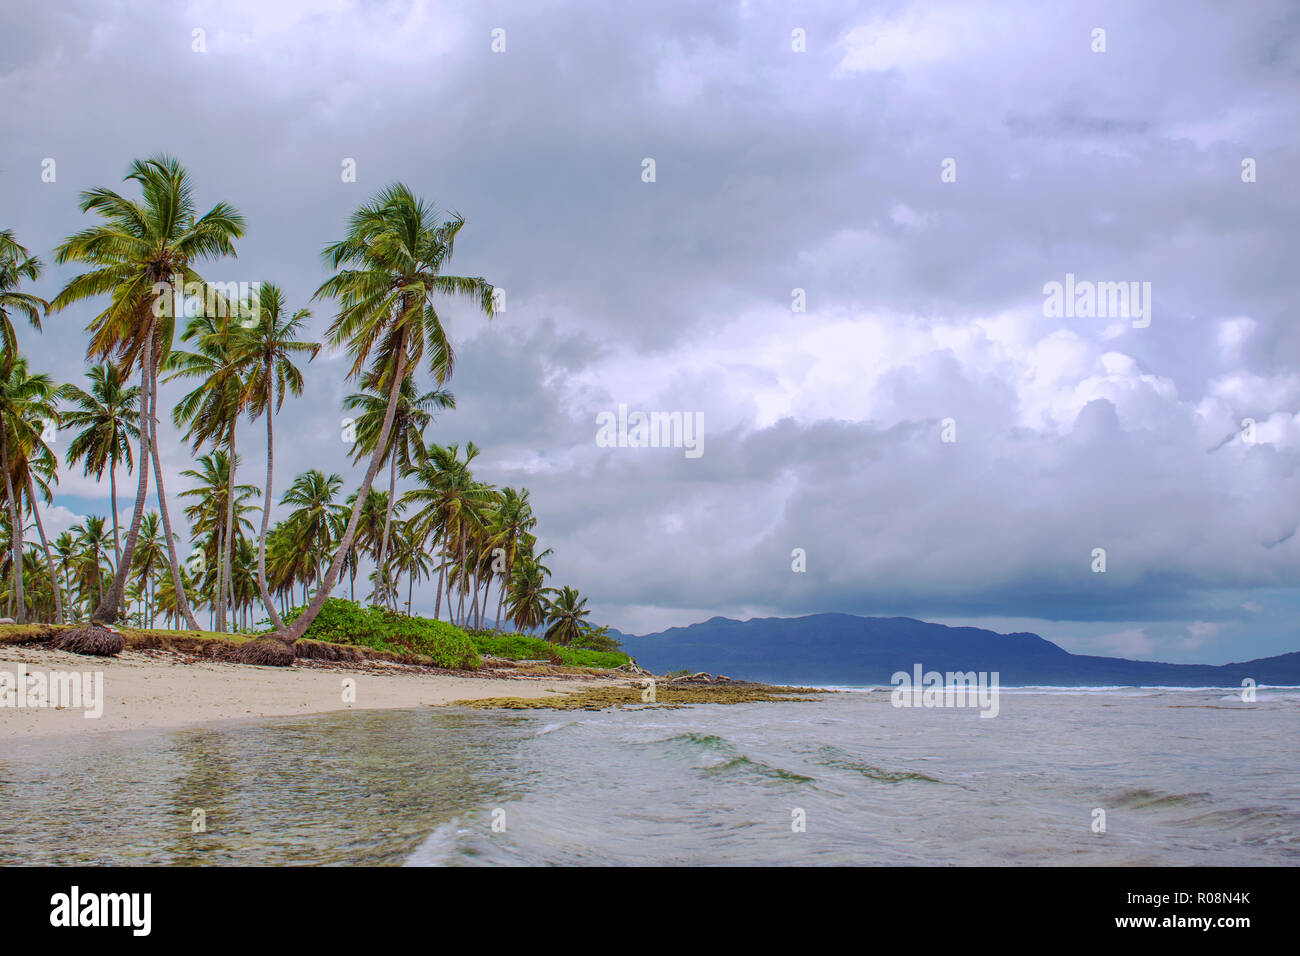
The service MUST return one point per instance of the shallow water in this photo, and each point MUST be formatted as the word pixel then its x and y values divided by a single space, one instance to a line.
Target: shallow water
pixel 1184 777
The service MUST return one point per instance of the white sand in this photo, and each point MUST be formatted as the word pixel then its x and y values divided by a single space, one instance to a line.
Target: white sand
pixel 152 690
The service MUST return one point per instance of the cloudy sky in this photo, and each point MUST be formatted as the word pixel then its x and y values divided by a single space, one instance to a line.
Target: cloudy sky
pixel 776 168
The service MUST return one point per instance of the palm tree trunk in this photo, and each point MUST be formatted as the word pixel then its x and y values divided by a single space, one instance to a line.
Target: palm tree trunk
pixel 299 627
pixel 182 604
pixel 106 612
pixel 388 520
pixel 67 580
pixel 505 588
pixel 219 585
pixel 228 552
pixel 464 575
pixel 276 622
pixel 49 561
pixel 15 535
pixel 442 576
pixel 112 484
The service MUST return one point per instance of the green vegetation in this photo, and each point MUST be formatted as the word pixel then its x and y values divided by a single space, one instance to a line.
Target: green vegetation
pixel 342 622
pixel 152 316
pixel 521 647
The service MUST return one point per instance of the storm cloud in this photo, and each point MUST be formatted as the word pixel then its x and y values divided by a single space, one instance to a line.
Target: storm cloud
pixel 799 155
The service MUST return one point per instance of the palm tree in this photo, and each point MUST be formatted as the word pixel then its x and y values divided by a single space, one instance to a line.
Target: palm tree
pixel 405 440
pixel 512 528
pixel 207 517
pixel 528 591
pixel 65 547
pixel 148 560
pixel 38 471
pixel 16 265
pixel 450 500
pixel 104 416
pixel 223 356
pixel 26 400
pixel 565 617
pixel 137 254
pixel 271 376
pixel 312 497
pixel 409 557
pixel 389 267
pixel 93 545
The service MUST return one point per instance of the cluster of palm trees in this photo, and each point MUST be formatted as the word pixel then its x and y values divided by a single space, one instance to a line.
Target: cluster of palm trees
pixel 242 360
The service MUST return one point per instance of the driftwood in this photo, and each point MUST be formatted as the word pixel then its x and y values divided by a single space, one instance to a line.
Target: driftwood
pixel 700 678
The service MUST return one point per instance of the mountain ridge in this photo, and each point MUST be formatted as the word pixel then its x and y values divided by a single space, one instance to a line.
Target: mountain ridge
pixel 838 648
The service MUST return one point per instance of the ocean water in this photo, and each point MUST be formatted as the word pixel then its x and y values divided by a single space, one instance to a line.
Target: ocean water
pixel 1184 777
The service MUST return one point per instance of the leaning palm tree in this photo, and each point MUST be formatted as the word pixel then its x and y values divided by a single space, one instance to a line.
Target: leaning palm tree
pixel 405 440
pixel 271 376
pixel 389 267
pixel 15 266
pixel 104 416
pixel 136 255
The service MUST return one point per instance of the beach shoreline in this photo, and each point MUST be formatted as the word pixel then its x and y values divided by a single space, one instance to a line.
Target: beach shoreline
pixel 162 690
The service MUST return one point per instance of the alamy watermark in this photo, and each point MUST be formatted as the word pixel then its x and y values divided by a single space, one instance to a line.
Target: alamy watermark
pixel 238 300
pixel 129 910
pixel 624 429
pixel 74 690
pixel 1085 299
pixel 953 689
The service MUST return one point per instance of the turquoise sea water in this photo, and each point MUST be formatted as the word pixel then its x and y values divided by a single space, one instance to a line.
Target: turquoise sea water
pixel 1184 777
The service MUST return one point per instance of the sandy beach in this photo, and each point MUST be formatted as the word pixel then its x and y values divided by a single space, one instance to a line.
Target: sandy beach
pixel 159 690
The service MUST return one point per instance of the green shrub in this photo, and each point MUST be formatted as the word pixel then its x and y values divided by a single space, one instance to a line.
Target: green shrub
pixel 344 622
pixel 522 647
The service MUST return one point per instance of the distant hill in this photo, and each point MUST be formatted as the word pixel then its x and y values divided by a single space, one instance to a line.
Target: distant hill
pixel 846 649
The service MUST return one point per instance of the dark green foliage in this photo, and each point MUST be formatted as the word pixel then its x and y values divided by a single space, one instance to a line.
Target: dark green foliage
pixel 521 647
pixel 343 622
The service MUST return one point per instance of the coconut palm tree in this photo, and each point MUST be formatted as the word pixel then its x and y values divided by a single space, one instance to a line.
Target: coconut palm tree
pixel 512 527
pixel 93 549
pixel 65 548
pixel 16 264
pixel 150 555
pixel 312 497
pixel 528 591
pixel 370 532
pixel 409 557
pixel 208 517
pixel 222 358
pixel 106 417
pixel 271 376
pixel 36 472
pixel 137 254
pixel 449 500
pixel 27 401
pixel 389 267
pixel 405 440
pixel 566 617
